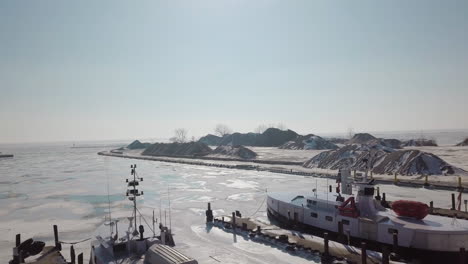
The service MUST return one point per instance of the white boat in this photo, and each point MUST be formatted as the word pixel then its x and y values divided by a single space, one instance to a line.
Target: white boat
pixel 135 247
pixel 363 218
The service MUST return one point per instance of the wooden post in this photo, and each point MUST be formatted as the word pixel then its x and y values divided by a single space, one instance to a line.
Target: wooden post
pixel 453 201
pixel 385 255
pixel 80 258
pixel 395 179
pixel 426 182
pixel 395 242
pixel 378 194
pixel 363 253
pixel 462 256
pixel 18 240
pixel 459 182
pixel 72 255
pixel 325 244
pixel 233 220
pixel 209 214
pixel 330 188
pixel 431 206
pixel 340 232
pixel 58 246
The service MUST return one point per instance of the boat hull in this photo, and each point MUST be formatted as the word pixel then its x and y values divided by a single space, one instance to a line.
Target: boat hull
pixel 425 256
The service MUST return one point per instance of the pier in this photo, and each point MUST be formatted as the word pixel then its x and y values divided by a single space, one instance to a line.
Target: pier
pixel 293 241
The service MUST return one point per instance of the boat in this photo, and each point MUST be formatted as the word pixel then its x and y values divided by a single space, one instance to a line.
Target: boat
pixel 362 217
pixel 37 252
pixel 134 246
pixel 3 155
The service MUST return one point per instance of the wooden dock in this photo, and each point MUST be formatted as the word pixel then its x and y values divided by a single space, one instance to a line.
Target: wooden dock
pixel 296 241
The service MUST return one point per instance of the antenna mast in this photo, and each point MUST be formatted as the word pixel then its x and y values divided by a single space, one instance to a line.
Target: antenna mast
pixel 133 193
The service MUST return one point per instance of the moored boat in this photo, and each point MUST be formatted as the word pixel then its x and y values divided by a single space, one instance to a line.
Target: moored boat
pixel 363 218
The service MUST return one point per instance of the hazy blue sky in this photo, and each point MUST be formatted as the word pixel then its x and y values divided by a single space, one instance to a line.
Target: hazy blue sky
pixel 80 70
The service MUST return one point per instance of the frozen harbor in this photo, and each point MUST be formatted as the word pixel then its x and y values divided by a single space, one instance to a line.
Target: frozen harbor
pixel 55 184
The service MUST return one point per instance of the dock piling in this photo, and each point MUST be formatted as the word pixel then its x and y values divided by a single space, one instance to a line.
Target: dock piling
pixel 330 188
pixel 363 253
pixel 18 240
pixel 80 258
pixel 385 255
pixel 453 201
pixel 395 242
pixel 72 255
pixel 462 256
pixel 209 214
pixel 58 246
pixel 233 221
pixel 325 244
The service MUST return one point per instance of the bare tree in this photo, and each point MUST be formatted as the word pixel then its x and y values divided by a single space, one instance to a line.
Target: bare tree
pixel 260 129
pixel 222 130
pixel 281 126
pixel 350 133
pixel 180 135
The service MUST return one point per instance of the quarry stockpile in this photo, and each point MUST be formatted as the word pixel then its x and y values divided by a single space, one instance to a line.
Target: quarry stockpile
pixel 463 143
pixel 384 161
pixel 138 145
pixel 211 140
pixel 272 137
pixel 309 142
pixel 177 149
pixel 361 138
pixel 420 143
pixel 234 152
pixel 365 138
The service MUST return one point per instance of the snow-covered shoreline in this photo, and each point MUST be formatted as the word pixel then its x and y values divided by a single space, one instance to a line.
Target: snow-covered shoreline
pixel 456 156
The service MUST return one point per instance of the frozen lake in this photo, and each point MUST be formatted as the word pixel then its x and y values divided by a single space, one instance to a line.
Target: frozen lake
pixel 55 184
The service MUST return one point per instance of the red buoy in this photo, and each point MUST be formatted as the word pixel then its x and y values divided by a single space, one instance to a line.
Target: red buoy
pixel 413 209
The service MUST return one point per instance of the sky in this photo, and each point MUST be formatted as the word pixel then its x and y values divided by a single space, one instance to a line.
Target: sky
pixel 92 70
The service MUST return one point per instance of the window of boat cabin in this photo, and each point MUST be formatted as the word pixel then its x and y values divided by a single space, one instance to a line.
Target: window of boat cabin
pixel 345 222
pixel 313 202
pixel 328 218
pixel 314 215
pixel 392 230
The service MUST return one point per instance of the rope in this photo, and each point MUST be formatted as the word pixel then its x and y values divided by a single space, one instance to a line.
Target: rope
pixel 258 209
pixel 73 243
pixel 144 219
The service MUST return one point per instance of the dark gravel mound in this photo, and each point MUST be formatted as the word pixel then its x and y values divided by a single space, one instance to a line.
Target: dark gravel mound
pixel 308 142
pixel 235 152
pixel 389 143
pixel 420 143
pixel 177 149
pixel 138 145
pixel 409 162
pixel 248 139
pixel 211 140
pixel 386 161
pixel 338 140
pixel 272 137
pixel 463 143
pixel 349 156
pixel 361 138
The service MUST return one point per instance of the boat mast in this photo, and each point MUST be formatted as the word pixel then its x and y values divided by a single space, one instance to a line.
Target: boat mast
pixel 134 192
